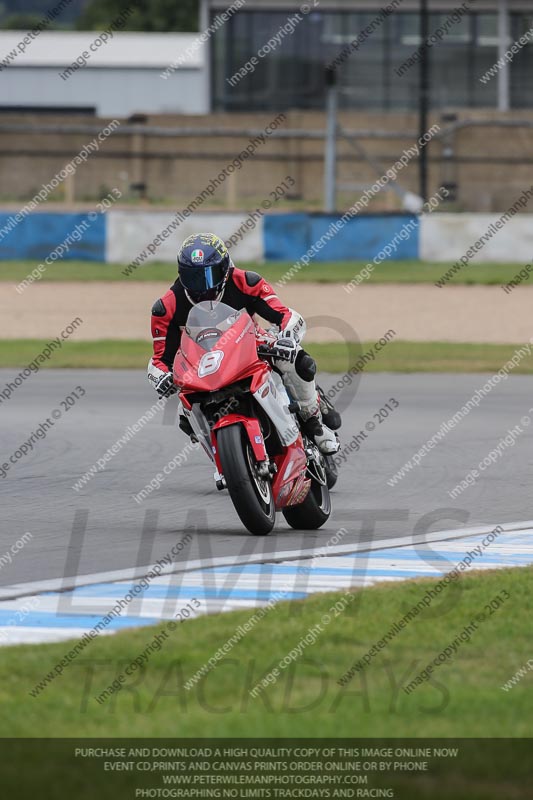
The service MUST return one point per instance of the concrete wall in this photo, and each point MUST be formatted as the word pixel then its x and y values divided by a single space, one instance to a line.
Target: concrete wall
pixel 489 165
pixel 53 236
pixel 289 236
pixel 129 233
pixel 126 235
pixel 448 237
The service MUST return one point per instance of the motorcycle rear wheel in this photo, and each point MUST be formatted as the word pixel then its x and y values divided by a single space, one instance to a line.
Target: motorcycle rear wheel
pixel 251 495
pixel 332 472
pixel 313 512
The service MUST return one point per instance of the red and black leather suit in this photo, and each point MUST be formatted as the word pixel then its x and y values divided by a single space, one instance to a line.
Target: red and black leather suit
pixel 250 291
pixel 242 290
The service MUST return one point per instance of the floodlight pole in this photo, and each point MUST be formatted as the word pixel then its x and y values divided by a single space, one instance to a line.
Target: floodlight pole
pixel 330 153
pixel 423 97
pixel 503 42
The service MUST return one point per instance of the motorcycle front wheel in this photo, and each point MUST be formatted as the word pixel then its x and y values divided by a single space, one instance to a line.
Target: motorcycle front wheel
pixel 251 495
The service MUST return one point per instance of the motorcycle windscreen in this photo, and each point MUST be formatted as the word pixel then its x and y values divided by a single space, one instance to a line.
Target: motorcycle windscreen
pixel 226 333
pixel 208 322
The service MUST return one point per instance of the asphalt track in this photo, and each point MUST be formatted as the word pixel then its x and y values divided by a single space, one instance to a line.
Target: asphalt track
pixel 113 532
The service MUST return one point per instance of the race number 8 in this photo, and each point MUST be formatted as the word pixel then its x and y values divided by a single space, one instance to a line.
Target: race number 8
pixel 209 363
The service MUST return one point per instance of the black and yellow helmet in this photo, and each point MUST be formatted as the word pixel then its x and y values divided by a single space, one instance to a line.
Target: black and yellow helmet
pixel 203 265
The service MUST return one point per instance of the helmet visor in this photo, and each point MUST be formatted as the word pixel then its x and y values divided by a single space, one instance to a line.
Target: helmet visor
pixel 201 279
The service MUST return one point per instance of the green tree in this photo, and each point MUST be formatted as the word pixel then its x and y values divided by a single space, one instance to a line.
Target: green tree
pixel 148 15
pixel 20 22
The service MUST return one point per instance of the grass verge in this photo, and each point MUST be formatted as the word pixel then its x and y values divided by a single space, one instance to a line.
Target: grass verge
pixel 331 357
pixel 323 272
pixel 463 697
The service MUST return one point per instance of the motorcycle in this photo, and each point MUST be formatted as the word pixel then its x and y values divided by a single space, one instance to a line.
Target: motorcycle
pixel 244 419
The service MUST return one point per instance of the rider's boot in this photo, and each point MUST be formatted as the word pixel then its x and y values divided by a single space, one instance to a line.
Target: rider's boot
pixel 314 427
pixel 330 415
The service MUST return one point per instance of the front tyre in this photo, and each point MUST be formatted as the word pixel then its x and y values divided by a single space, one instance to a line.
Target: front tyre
pixel 251 495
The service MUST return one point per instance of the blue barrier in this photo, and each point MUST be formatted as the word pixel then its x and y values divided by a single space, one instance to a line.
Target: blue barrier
pixel 36 236
pixel 287 237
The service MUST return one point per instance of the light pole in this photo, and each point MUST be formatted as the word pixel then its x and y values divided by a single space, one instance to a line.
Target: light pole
pixel 330 154
pixel 423 97
pixel 503 41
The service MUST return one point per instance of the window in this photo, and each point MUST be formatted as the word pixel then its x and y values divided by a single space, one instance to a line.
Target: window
pixel 382 72
pixel 522 63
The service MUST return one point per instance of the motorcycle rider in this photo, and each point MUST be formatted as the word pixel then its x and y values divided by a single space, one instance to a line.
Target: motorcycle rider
pixel 206 272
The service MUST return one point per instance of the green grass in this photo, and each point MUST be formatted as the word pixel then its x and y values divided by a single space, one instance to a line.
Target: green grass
pixel 331 357
pixel 463 698
pixel 325 272
pixel 101 354
pixel 400 356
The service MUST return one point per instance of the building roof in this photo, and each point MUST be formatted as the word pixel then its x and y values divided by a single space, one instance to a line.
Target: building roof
pixel 483 6
pixel 125 49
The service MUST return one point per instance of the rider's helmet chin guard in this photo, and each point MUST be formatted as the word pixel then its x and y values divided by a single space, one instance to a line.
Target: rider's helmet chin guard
pixel 203 267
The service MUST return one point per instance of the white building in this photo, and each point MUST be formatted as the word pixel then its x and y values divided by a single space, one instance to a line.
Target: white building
pixel 118 77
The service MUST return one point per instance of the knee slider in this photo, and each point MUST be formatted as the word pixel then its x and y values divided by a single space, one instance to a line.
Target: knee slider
pixel 305 366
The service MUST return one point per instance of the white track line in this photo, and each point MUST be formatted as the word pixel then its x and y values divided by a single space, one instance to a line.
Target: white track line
pixel 65 584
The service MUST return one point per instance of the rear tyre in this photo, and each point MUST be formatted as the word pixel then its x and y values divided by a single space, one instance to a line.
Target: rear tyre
pixel 251 495
pixel 332 473
pixel 313 512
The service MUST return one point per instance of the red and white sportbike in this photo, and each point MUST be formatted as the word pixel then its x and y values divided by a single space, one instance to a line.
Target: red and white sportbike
pixel 245 421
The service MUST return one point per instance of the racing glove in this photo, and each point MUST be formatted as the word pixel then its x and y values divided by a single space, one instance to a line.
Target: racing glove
pixel 294 327
pixel 165 386
pixel 285 349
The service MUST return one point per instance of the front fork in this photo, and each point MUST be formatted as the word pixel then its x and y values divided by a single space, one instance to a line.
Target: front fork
pixel 254 434
pixel 207 436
